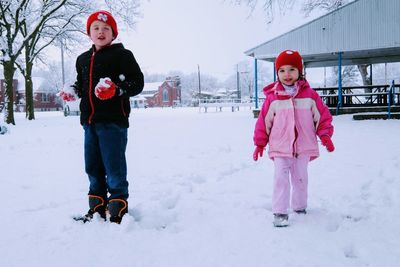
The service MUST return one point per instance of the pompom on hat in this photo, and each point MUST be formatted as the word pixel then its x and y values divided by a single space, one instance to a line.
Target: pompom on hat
pixel 289 57
pixel 105 17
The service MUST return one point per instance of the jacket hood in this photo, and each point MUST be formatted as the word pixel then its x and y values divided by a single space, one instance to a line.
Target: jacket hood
pixel 277 87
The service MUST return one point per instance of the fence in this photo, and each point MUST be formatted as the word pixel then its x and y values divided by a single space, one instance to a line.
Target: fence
pixel 356 96
pixel 220 103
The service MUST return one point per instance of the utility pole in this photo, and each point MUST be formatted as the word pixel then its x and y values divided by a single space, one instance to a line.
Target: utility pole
pixel 198 74
pixel 256 83
pixel 62 63
pixel 237 81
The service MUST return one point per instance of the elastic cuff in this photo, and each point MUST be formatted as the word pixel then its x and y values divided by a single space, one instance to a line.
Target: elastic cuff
pixel 120 91
pixel 325 135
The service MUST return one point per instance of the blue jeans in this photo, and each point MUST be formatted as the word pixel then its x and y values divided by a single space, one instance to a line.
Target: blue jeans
pixel 105 162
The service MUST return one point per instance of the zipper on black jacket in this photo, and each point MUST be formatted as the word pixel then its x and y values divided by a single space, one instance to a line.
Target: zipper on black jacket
pixel 90 87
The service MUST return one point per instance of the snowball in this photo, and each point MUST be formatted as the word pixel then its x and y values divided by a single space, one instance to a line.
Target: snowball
pixel 68 89
pixel 103 83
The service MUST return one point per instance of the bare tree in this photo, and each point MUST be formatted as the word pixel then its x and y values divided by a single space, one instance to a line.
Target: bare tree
pixel 269 6
pixel 13 17
pixel 126 10
pixel 350 76
pixel 307 6
pixel 364 74
pixel 326 5
pixel 32 25
pixel 60 25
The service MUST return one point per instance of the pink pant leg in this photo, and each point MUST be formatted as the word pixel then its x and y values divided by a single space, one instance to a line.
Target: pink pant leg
pixel 299 180
pixel 297 169
pixel 281 191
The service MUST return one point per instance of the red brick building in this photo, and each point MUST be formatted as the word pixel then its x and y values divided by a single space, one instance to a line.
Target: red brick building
pixel 161 94
pixel 43 100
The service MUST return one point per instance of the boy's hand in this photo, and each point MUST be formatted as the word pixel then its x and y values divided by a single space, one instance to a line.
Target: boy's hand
pixel 105 89
pixel 66 96
pixel 259 151
pixel 327 142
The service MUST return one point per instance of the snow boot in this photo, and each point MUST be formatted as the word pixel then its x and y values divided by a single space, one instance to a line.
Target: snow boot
pixel 303 211
pixel 281 220
pixel 96 204
pixel 117 208
pixel 3 129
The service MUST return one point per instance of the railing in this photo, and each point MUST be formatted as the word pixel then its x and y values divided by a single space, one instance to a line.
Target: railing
pixel 219 103
pixel 356 96
pixel 220 100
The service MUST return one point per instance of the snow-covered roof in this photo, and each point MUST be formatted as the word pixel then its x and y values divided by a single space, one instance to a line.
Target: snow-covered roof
pixel 363 32
pixel 221 90
pixel 37 83
pixel 152 86
pixel 138 97
pixel 150 89
pixel 203 92
pixel 225 91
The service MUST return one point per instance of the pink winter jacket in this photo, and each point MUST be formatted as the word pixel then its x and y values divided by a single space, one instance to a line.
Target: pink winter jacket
pixel 291 124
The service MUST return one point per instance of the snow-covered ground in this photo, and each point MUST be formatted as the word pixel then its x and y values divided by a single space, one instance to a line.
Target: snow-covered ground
pixel 197 197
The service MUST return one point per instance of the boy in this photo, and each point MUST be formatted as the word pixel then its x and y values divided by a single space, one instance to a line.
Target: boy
pixel 107 75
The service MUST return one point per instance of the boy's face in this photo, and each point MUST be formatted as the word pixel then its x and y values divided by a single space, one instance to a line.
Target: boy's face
pixel 101 34
pixel 288 74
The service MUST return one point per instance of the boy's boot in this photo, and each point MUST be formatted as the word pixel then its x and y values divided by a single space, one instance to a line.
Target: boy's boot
pixel 96 204
pixel 117 208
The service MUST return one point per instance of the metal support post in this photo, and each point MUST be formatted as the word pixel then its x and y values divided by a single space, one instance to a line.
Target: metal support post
pixel 256 83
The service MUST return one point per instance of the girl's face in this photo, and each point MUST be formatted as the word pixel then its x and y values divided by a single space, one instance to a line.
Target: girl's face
pixel 288 74
pixel 101 34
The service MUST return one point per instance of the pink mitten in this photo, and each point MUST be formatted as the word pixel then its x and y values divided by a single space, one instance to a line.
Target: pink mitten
pixel 258 152
pixel 327 142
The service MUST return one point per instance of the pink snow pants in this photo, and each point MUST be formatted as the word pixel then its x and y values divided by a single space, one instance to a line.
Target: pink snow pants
pixel 298 184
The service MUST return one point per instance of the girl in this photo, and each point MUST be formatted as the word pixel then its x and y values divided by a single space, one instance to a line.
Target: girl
pixel 291 118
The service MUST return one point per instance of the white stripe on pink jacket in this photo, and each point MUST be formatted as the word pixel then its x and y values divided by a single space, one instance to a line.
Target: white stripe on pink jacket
pixel 290 125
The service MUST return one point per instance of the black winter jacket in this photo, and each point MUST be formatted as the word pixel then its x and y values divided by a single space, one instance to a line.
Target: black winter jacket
pixel 121 67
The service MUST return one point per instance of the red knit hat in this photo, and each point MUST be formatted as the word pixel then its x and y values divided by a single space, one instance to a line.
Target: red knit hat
pixel 289 57
pixel 105 17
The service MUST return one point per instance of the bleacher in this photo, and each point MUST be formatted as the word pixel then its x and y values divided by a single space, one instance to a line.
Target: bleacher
pixel 371 99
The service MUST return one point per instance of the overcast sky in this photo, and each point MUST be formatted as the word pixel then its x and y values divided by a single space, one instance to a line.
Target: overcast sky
pixel 179 34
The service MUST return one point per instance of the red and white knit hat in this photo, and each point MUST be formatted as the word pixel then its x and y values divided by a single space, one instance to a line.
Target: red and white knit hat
pixel 289 57
pixel 105 17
